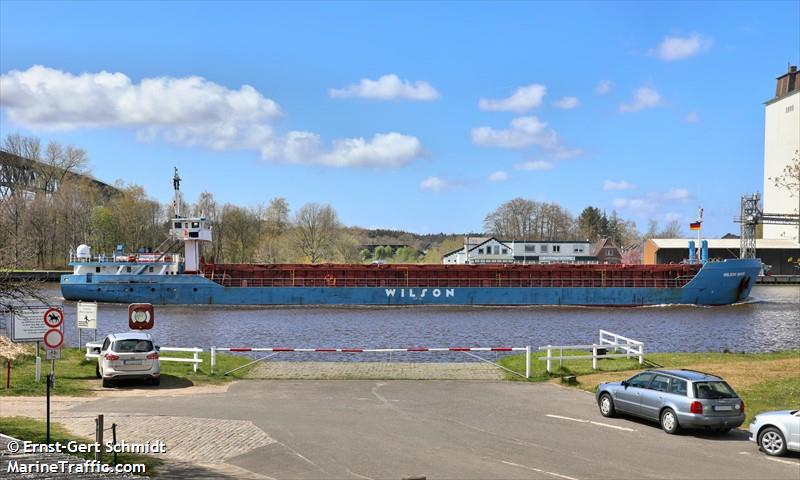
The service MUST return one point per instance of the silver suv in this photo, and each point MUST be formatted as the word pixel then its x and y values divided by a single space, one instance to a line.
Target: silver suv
pixel 674 398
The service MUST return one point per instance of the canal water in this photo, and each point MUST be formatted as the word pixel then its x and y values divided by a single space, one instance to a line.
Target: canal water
pixel 770 320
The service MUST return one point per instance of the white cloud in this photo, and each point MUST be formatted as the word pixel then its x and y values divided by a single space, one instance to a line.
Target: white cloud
pixel 567 103
pixel 522 100
pixel 524 132
pixel 189 111
pixel 621 185
pixel 677 194
pixel 498 176
pixel 387 87
pixel 603 87
pixel 43 97
pixel 643 97
pixel 653 200
pixel 678 48
pixel 534 165
pixel 434 184
pixel 692 117
pixel 670 216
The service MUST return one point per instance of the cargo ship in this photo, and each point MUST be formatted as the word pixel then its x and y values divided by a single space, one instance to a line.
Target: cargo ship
pixel 170 278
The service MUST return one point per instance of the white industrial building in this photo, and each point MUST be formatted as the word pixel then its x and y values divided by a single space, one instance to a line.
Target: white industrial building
pixel 781 142
pixel 491 250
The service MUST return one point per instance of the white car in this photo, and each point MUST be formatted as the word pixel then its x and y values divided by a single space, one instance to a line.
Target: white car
pixel 128 355
pixel 776 432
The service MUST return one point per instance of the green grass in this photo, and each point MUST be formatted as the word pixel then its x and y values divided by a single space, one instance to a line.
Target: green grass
pixel 652 360
pixel 781 394
pixel 35 431
pixel 75 376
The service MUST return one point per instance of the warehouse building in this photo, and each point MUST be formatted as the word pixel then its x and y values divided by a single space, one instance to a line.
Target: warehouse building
pixel 782 255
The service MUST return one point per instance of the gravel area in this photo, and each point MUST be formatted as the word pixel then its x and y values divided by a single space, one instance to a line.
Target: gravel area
pixel 375 371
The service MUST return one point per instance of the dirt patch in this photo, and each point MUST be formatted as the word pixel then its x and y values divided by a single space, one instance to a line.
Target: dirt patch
pixel 739 375
pixel 11 350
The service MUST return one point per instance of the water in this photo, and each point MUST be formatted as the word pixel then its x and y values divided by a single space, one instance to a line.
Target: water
pixel 769 321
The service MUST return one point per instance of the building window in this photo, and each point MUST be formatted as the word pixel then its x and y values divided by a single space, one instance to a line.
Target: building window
pixel 556 248
pixel 609 252
pixel 496 250
pixel 578 250
pixel 544 248
pixel 480 251
pixel 530 248
pixel 790 108
pixel 505 251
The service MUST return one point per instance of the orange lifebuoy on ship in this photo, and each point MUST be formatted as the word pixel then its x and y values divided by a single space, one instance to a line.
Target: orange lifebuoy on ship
pixel 330 280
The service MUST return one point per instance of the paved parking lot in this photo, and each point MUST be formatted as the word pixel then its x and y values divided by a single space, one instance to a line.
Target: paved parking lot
pixel 447 429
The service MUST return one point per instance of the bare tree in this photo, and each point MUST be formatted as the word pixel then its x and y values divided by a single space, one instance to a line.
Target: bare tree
pixel 521 219
pixel 316 229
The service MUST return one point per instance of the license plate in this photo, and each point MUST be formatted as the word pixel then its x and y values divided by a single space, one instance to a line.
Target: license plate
pixel 723 408
pixel 139 362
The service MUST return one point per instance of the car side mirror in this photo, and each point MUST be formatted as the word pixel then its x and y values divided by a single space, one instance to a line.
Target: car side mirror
pixel 96 350
pixel 625 383
pixel 158 348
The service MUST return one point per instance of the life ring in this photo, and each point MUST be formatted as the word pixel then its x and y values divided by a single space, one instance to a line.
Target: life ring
pixel 330 280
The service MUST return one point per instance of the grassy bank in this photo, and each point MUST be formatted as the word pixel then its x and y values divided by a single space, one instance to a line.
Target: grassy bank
pixel 35 431
pixel 766 381
pixel 75 376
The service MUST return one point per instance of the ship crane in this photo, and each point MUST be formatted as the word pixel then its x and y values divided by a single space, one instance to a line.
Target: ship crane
pixel 751 215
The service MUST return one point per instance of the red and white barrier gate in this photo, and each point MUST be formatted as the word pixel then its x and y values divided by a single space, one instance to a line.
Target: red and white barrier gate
pixel 276 350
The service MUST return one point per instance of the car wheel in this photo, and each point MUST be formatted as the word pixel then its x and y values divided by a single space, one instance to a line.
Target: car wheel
pixel 772 442
pixel 108 383
pixel 607 406
pixel 669 421
pixel 97 371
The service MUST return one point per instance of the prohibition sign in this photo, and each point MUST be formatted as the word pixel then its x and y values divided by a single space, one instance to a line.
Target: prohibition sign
pixel 53 317
pixel 53 338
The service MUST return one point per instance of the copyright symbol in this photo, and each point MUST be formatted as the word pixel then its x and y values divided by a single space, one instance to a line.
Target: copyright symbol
pixel 13 446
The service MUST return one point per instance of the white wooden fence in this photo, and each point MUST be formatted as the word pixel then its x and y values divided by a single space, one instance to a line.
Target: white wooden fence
pixel 607 341
pixel 196 360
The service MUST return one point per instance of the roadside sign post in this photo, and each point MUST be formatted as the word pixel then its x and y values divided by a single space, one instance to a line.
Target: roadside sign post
pixel 53 340
pixel 38 374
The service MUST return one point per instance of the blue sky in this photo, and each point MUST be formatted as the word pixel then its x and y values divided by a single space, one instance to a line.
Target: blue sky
pixel 420 116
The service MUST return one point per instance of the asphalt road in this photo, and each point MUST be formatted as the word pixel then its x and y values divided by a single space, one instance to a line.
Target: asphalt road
pixel 455 429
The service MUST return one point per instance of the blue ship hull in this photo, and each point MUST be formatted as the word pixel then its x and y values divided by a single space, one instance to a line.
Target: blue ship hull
pixel 717 283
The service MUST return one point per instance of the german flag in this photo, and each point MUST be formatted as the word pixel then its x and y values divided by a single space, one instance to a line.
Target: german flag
pixel 694 226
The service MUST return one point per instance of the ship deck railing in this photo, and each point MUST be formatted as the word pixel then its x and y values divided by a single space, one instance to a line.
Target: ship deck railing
pixel 249 282
pixel 128 258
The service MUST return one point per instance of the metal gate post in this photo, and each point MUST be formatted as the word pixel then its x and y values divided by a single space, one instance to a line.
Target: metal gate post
pixel 528 361
pixel 213 358
pixel 594 357
pixel 549 361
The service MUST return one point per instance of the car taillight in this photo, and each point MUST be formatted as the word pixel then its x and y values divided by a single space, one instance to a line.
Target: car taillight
pixel 152 356
pixel 696 407
pixel 741 406
pixel 111 356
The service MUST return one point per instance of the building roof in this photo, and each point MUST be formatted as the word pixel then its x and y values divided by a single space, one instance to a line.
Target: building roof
pixel 735 243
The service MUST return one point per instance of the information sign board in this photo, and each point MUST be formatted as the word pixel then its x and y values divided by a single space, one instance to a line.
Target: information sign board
pixel 87 315
pixel 27 326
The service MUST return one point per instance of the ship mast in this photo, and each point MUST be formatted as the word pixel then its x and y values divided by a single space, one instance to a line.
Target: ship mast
pixel 176 185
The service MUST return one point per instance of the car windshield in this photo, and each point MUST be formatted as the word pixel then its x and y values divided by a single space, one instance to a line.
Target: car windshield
pixel 133 346
pixel 713 390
